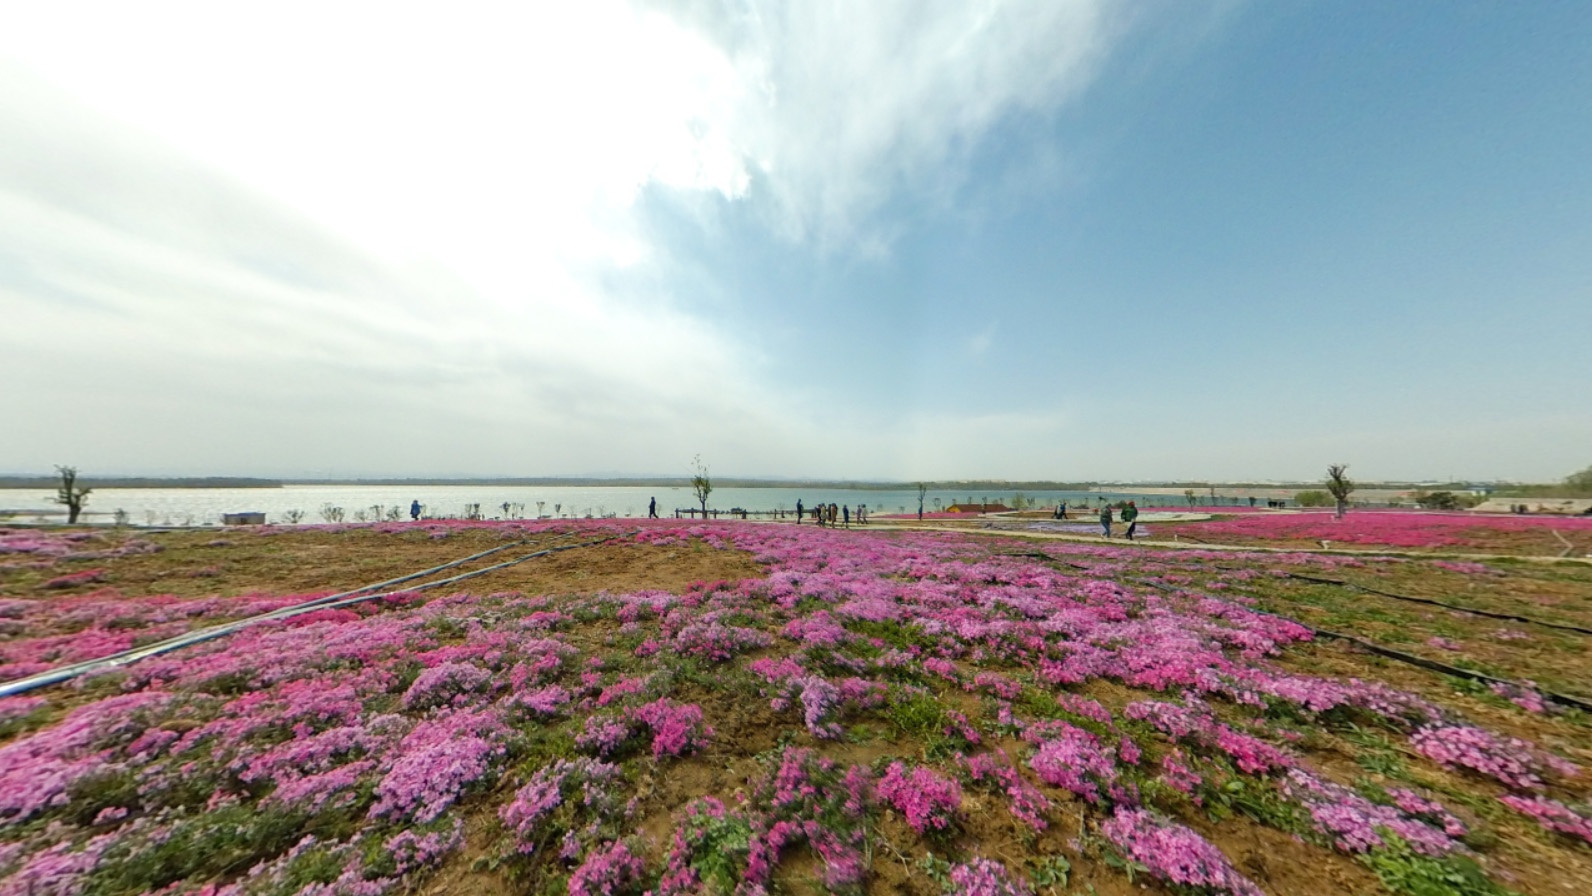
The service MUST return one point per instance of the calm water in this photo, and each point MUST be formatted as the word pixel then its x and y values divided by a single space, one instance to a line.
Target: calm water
pixel 198 507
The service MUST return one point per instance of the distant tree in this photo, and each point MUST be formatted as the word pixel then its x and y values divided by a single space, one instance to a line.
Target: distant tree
pixel 1188 495
pixel 1340 486
pixel 69 494
pixel 331 513
pixel 1443 500
pixel 1313 498
pixel 923 490
pixel 293 517
pixel 701 484
pixel 1581 482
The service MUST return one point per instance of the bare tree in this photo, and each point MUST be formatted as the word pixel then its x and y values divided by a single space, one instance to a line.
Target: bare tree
pixel 1339 486
pixel 69 494
pixel 701 484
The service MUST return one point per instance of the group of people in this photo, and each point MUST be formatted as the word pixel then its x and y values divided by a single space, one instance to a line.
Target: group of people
pixel 831 514
pixel 1130 515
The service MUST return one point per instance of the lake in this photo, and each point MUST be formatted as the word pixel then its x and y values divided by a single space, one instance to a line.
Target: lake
pixel 204 506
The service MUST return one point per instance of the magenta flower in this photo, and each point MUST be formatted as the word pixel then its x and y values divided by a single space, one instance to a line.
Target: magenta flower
pixel 927 801
pixel 1174 853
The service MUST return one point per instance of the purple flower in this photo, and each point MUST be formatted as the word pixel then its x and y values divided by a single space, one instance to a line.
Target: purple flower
pixel 925 799
pixel 1174 853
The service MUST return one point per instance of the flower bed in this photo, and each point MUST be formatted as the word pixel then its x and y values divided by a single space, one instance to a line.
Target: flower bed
pixel 1397 529
pixel 600 740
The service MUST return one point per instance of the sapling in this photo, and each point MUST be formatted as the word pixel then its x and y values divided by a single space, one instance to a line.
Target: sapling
pixel 1340 486
pixel 69 494
pixel 701 485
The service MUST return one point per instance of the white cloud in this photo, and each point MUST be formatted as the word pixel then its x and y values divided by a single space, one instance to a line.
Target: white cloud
pixel 844 106
pixel 303 219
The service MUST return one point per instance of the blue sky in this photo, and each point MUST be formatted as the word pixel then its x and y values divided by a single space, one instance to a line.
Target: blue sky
pixel 1125 241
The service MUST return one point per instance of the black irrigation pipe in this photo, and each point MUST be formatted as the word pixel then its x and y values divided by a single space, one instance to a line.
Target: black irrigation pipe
pixel 1437 603
pixel 1389 653
pixel 1410 658
pixel 1039 555
pixel 1435 666
pixel 126 657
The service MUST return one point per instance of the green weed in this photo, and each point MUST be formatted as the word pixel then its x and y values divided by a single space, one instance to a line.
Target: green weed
pixel 1407 873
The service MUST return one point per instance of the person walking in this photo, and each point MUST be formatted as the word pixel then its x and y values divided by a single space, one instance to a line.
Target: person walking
pixel 1105 519
pixel 652 509
pixel 1130 515
pixel 845 514
pixel 414 510
pixel 798 511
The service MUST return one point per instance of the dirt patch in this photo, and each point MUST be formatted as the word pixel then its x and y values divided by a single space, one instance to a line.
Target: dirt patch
pixel 321 561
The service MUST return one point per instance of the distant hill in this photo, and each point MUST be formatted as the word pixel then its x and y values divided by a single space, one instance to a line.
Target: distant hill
pixel 52 482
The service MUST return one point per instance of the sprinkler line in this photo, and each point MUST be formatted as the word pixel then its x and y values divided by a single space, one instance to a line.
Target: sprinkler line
pixel 75 670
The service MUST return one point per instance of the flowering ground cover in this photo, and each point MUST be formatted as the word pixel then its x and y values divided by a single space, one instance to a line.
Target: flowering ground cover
pixel 1403 530
pixel 751 708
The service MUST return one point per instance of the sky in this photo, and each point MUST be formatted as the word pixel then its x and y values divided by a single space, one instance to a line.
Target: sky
pixel 1074 241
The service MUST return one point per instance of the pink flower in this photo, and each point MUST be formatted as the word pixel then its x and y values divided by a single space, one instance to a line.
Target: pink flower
pixel 925 799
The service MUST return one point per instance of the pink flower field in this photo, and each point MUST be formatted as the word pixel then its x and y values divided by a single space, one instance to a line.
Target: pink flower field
pixel 873 712
pixel 1457 532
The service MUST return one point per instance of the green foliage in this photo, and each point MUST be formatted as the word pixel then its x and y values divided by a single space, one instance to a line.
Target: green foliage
pixel 1050 873
pixel 447 628
pixel 1580 483
pixel 1444 500
pixel 904 635
pixel 318 865
pixel 101 790
pixel 25 722
pixel 1313 498
pixel 228 684
pixel 937 870
pixel 1407 873
pixel 922 718
pixel 917 715
pixel 228 840
pixel 1258 799
pixel 723 844
pixel 1043 704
